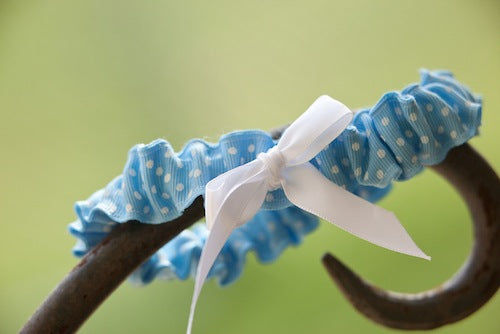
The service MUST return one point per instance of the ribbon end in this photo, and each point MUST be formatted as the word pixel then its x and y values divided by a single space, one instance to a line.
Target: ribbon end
pixel 417 252
pixel 406 244
pixel 424 256
pixel 308 189
pixel 190 325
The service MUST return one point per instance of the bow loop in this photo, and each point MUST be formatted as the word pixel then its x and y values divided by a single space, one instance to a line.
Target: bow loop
pixel 322 122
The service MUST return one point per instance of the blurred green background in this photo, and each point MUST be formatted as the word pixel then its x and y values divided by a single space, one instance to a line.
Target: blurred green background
pixel 83 81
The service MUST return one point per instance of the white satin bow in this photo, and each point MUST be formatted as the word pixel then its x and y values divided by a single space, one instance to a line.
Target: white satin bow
pixel 233 198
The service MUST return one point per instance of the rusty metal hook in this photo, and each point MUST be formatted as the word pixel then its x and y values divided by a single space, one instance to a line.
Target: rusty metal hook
pixel 128 245
pixel 471 287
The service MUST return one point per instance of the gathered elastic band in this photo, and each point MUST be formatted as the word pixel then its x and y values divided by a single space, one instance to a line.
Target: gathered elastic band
pixel 393 140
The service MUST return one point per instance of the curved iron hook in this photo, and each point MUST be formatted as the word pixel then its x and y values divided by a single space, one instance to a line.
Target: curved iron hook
pixel 471 287
pixel 110 262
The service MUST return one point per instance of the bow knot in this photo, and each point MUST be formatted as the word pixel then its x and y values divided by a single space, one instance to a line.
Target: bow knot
pixel 274 162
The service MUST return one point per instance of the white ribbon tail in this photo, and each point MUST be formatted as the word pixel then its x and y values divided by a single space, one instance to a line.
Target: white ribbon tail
pixel 239 205
pixel 308 189
pixel 215 241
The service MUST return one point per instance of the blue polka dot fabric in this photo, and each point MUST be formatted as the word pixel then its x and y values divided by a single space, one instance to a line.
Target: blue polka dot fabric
pixel 393 140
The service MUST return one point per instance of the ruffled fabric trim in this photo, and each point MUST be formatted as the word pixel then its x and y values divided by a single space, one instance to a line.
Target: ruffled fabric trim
pixel 267 234
pixel 393 140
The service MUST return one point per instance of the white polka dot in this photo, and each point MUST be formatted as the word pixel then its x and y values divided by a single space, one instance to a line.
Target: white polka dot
pixel 190 173
pixel 167 178
pixel 251 148
pixel 335 169
pixel 132 172
pixel 232 150
pixel 146 209
pixel 413 117
pixel 153 189
pixel 137 195
pixel 398 111
pixel 414 159
pixel 242 161
pixel 366 176
pixel 408 133
pixel 436 144
pixel 196 172
pixel 179 187
pixel 111 208
pixel 164 210
pixel 368 133
pixel 400 141
pixel 168 154
pixel 190 193
pixel 399 159
pixel 429 107
pixel 165 196
pixel 150 164
pixel 357 171
pixel 298 223
pixel 440 129
pixel 380 174
pixel 128 207
pixel 318 161
pixel 345 162
pixel 448 89
pixel 381 153
pixel 426 156
pixel 445 111
pixel 180 164
pixel 159 171
pixel 385 121
pixel 207 161
pixel 269 197
pixel 453 134
pixel 424 139
pixel 355 146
